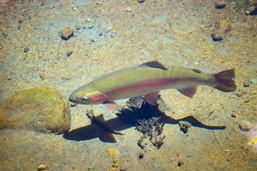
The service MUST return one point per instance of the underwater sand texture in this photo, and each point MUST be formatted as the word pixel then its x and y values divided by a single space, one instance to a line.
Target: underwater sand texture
pixel 110 35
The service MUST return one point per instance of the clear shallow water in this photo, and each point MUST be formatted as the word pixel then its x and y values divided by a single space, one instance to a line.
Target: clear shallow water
pixel 172 32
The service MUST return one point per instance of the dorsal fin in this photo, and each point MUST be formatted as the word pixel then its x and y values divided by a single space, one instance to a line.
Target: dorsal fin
pixel 154 64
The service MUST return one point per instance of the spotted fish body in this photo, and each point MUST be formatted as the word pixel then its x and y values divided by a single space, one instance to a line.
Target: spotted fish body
pixel 147 79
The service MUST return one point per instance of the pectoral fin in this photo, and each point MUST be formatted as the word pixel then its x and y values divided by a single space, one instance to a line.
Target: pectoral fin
pixel 112 106
pixel 189 91
pixel 100 122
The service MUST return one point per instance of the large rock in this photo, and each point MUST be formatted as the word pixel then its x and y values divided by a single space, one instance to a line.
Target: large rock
pixel 41 109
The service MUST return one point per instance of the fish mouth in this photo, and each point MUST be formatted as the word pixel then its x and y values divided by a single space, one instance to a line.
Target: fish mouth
pixel 72 99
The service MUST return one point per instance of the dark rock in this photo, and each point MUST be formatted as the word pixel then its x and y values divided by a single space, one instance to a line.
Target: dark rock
pixel 220 5
pixel 216 36
pixel 25 50
pixel 41 109
pixel 247 84
pixel 253 9
pixel 141 1
pixel 69 53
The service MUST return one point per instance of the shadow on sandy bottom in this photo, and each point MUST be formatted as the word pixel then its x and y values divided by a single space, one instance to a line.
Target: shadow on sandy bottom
pixel 135 110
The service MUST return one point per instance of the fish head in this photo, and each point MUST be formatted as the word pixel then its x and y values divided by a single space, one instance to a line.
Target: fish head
pixel 81 96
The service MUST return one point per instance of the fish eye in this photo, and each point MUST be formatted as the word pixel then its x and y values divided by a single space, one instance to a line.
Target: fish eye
pixel 85 98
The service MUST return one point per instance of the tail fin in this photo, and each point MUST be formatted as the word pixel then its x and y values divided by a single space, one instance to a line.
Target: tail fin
pixel 225 80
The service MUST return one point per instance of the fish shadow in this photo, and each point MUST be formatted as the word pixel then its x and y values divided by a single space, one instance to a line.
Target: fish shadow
pixel 137 110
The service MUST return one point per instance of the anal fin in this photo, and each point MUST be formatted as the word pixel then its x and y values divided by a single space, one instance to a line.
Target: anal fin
pixel 189 91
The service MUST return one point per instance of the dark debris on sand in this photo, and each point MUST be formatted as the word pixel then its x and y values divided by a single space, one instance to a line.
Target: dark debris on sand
pixel 146 119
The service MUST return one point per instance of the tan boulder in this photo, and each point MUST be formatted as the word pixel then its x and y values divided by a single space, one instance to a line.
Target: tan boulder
pixel 41 109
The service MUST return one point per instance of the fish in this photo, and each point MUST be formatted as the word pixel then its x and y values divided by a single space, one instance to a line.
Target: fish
pixel 147 80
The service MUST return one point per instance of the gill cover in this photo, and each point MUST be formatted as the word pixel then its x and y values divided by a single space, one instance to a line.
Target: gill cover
pixel 96 97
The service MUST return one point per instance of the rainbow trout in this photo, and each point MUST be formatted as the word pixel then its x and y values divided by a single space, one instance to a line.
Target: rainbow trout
pixel 148 79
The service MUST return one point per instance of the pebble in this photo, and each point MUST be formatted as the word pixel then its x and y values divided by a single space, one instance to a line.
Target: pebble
pixel 239 93
pixel 184 126
pixel 180 163
pixel 253 9
pixel 91 26
pixel 25 50
pixel 246 99
pixel 216 37
pixel 220 5
pixel 245 125
pixel 69 53
pixel 9 78
pixel 140 1
pixel 41 167
pixel 247 84
pixel 67 33
pixel 78 27
pixel 129 9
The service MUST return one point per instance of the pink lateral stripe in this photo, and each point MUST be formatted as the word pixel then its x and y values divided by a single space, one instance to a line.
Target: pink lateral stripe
pixel 160 82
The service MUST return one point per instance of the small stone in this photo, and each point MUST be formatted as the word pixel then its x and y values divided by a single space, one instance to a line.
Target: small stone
pixel 247 84
pixel 67 33
pixel 78 27
pixel 247 12
pixel 220 5
pixel 67 78
pixel 247 100
pixel 184 126
pixel 129 9
pixel 253 9
pixel 141 155
pixel 216 36
pixel 25 50
pixel 92 40
pixel 245 125
pixel 141 1
pixel 239 93
pixel 69 53
pixel 42 167
pixel 9 78
pixel 180 163
pixel 233 116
